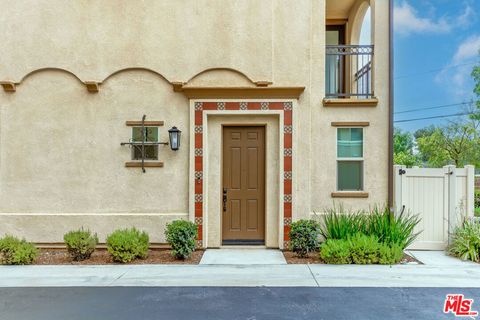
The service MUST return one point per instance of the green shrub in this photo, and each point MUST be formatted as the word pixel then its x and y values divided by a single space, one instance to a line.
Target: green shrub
pixel 392 229
pixel 181 235
pixel 359 249
pixel 14 251
pixel 127 244
pixel 466 241
pixel 80 244
pixel 477 203
pixel 338 224
pixel 336 251
pixel 304 237
pixel 390 255
pixel 380 222
pixel 364 249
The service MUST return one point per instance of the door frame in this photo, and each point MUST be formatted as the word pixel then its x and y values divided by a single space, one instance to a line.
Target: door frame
pixel 280 116
pixel 264 126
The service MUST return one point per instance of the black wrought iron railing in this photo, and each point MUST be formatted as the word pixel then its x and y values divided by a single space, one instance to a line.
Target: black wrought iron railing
pixel 348 71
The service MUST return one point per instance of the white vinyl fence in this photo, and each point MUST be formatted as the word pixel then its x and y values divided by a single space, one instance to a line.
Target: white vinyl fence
pixel 442 197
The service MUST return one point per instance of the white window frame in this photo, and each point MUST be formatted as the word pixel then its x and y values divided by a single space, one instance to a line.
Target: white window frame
pixel 358 159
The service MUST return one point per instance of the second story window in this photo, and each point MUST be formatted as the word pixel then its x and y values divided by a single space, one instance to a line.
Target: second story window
pixel 350 159
pixel 150 135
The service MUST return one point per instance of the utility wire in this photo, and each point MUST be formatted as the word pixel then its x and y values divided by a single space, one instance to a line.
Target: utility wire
pixel 436 117
pixel 433 107
pixel 434 70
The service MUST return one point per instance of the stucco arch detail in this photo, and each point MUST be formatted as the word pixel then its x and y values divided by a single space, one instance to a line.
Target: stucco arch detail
pixel 220 77
pixel 357 15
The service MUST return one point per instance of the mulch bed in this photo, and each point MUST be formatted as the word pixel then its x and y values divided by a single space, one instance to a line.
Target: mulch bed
pixel 313 258
pixel 101 256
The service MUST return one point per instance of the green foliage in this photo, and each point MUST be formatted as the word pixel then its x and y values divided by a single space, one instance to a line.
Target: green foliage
pixel 359 249
pixel 336 251
pixel 128 244
pixel 181 235
pixel 476 90
pixel 364 249
pixel 477 198
pixel 380 222
pixel 338 224
pixel 304 237
pixel 406 159
pixel 457 143
pixel 402 141
pixel 466 242
pixel 392 229
pixel 403 144
pixel 14 251
pixel 390 254
pixel 424 132
pixel 80 244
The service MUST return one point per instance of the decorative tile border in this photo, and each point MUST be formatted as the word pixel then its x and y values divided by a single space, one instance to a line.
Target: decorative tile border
pixel 287 129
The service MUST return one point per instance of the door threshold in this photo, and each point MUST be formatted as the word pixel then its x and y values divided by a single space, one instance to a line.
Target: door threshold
pixel 229 246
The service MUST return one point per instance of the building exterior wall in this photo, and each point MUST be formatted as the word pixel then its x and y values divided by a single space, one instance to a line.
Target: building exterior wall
pixel 61 163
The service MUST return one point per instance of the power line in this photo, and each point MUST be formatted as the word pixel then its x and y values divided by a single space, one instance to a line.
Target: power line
pixel 436 117
pixel 433 107
pixel 434 70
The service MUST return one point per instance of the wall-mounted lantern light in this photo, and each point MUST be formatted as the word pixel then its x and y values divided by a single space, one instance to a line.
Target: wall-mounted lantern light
pixel 174 135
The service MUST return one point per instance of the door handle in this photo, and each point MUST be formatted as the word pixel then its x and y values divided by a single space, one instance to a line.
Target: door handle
pixel 224 199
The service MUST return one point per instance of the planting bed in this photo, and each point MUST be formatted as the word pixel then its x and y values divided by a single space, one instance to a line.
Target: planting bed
pixel 101 256
pixel 313 258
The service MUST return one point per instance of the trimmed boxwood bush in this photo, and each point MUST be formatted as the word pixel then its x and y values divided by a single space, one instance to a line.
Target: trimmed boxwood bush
pixel 336 252
pixel 125 245
pixel 14 251
pixel 364 249
pixel 360 249
pixel 304 237
pixel 390 255
pixel 181 235
pixel 80 244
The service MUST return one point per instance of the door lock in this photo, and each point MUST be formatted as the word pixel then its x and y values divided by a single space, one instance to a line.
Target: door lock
pixel 224 199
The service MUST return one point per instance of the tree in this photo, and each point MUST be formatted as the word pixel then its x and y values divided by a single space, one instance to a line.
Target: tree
pixel 476 90
pixel 402 141
pixel 403 145
pixel 457 143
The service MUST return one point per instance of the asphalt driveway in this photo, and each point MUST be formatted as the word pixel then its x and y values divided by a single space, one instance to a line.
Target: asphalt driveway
pixel 230 303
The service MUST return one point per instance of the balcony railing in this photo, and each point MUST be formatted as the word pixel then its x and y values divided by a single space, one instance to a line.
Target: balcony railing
pixel 348 71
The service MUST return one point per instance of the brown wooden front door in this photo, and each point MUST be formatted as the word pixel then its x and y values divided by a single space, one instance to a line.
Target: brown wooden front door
pixel 243 220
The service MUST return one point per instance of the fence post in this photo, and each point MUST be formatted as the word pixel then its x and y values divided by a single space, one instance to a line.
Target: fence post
pixel 450 171
pixel 397 187
pixel 470 189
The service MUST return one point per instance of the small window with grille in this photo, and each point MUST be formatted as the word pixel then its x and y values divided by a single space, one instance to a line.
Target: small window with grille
pixel 150 136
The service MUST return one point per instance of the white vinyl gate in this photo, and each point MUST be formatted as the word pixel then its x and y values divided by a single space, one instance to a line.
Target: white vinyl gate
pixel 442 197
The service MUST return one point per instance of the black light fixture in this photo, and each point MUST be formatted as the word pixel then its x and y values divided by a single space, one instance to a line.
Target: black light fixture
pixel 174 135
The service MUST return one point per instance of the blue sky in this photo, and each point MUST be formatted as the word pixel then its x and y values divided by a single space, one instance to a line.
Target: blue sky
pixel 436 46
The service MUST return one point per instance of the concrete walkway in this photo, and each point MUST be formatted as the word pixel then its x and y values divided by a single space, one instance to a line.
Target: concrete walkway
pixel 242 257
pixel 442 274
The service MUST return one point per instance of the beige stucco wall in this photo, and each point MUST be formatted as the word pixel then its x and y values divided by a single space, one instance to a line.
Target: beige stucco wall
pixel 61 163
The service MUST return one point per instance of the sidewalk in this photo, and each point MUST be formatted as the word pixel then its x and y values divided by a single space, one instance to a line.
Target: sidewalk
pixel 441 271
